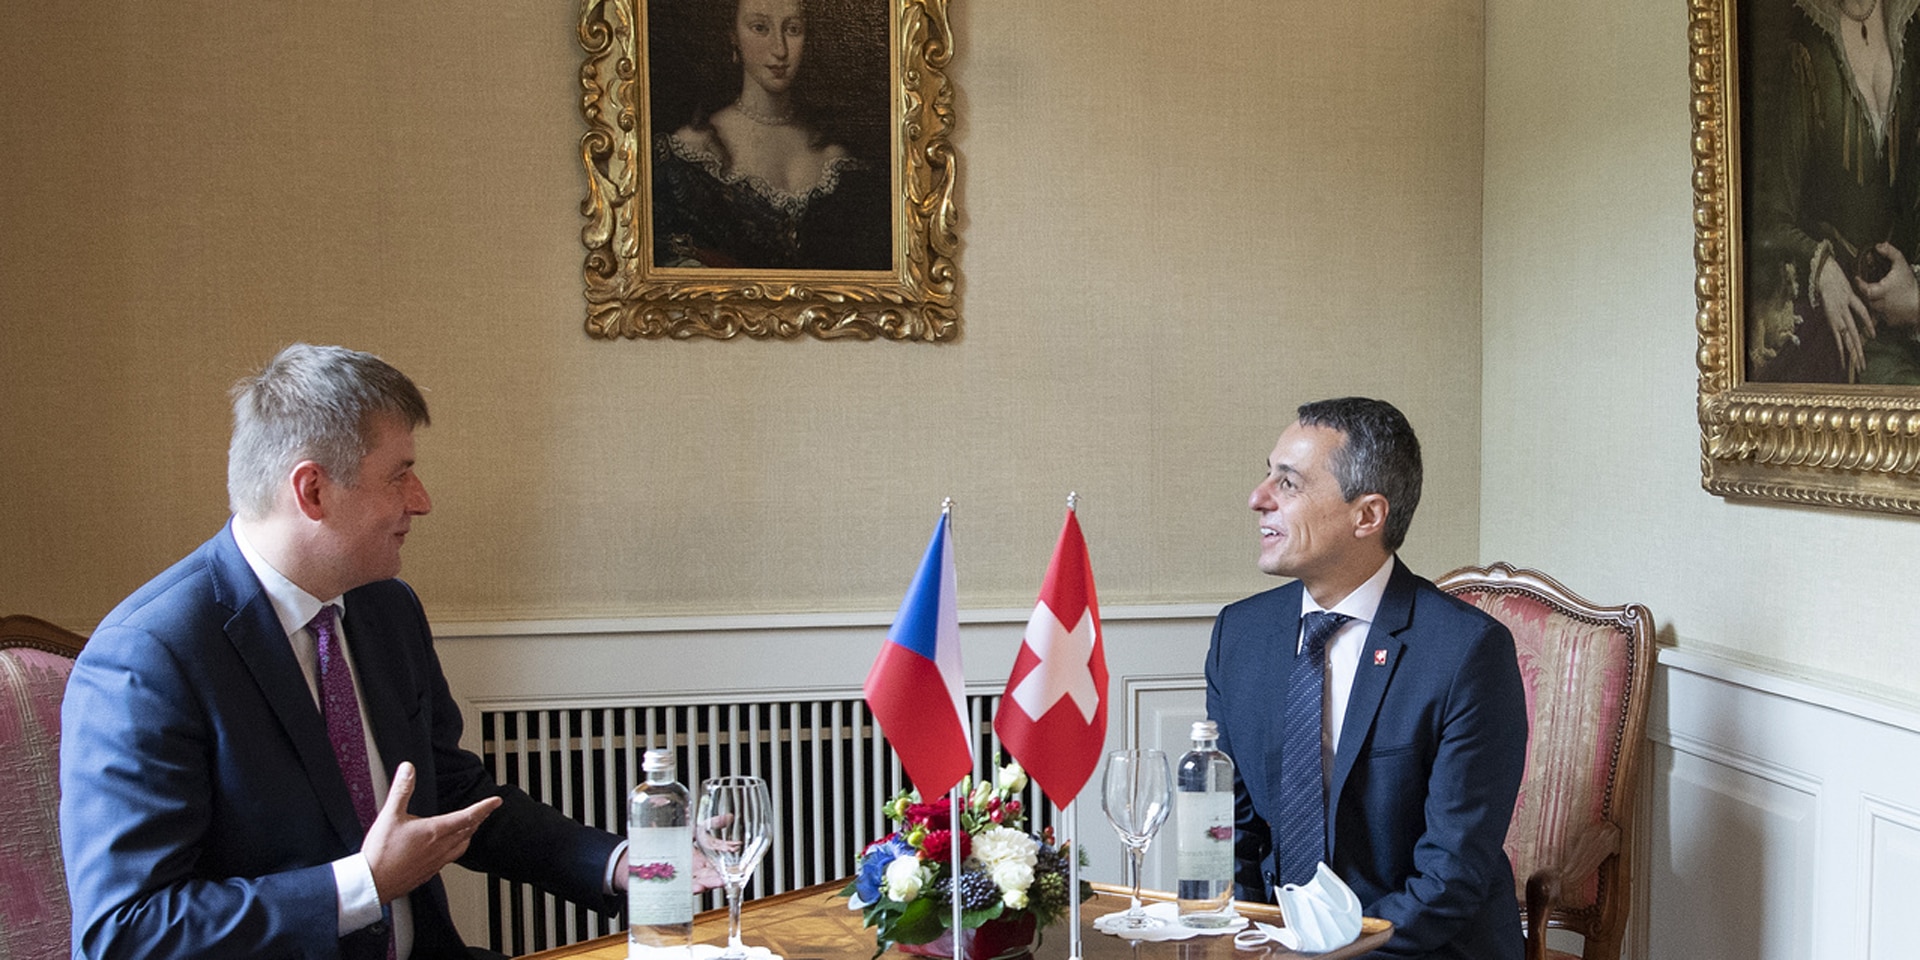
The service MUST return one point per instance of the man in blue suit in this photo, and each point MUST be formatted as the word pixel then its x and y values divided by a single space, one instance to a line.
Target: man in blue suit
pixel 1417 709
pixel 204 809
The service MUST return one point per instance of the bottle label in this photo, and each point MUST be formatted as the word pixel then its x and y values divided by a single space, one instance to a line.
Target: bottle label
pixel 1206 835
pixel 660 875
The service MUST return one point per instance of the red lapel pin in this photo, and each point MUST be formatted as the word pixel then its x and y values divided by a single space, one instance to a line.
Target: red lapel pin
pixel 1379 658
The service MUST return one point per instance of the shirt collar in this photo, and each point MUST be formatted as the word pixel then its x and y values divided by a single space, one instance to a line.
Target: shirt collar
pixel 1363 603
pixel 293 606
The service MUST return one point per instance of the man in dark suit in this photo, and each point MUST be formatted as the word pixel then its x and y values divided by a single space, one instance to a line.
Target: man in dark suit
pixel 204 808
pixel 1377 724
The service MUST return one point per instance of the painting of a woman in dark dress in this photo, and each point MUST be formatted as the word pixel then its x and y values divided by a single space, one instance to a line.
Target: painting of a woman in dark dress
pixel 770 141
pixel 1832 143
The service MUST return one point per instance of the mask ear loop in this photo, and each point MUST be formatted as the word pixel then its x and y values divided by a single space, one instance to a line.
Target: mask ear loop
pixel 1258 935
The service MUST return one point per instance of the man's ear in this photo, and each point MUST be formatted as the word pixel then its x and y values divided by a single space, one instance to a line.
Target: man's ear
pixel 1369 515
pixel 308 480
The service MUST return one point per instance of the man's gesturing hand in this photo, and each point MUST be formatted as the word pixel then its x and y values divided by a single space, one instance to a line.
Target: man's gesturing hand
pixel 405 851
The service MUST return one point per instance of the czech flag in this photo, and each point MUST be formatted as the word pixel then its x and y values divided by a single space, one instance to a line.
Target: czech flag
pixel 915 688
pixel 1053 718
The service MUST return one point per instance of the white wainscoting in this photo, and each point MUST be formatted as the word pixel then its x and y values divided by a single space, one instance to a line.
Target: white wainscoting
pixel 1780 818
pixel 1783 822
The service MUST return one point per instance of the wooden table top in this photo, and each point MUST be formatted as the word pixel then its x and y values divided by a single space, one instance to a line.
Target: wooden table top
pixel 815 924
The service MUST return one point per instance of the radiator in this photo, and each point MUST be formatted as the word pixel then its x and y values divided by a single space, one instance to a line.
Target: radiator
pixel 825 762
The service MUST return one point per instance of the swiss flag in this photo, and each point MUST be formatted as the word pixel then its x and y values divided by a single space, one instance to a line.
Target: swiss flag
pixel 1053 718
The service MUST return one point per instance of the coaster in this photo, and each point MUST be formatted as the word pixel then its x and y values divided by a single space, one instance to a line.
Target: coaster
pixel 708 951
pixel 1170 929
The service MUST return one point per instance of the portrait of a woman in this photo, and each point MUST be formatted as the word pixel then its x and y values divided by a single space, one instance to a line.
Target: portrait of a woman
pixel 1831 136
pixel 770 146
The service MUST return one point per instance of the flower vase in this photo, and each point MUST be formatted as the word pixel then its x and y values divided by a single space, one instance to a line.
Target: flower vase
pixel 1002 938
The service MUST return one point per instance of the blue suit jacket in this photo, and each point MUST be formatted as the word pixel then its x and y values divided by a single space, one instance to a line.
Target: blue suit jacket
pixel 201 805
pixel 1424 777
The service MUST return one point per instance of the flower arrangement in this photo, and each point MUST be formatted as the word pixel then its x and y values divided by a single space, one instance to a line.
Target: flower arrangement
pixel 905 885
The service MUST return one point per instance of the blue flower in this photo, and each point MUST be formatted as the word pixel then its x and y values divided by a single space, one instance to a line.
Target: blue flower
pixel 873 868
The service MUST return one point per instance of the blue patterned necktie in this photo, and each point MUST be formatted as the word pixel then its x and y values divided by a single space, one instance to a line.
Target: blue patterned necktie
pixel 1302 837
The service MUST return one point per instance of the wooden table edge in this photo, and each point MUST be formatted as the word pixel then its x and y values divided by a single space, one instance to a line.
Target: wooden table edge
pixel 1374 932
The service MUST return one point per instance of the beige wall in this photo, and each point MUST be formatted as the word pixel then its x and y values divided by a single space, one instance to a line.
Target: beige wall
pixel 1591 451
pixel 1179 221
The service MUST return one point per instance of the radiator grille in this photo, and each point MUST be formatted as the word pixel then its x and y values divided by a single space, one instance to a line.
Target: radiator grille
pixel 824 760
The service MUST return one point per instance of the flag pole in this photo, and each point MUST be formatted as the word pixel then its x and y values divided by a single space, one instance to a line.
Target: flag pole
pixel 953 877
pixel 1072 815
pixel 953 814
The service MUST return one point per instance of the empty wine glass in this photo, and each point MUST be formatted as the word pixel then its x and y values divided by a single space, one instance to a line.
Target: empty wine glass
pixel 731 827
pixel 1137 793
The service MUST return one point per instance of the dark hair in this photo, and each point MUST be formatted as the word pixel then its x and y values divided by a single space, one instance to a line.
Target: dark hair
pixel 311 403
pixel 1381 455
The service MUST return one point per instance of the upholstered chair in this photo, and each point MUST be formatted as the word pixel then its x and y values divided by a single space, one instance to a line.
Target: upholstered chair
pixel 35 658
pixel 1587 670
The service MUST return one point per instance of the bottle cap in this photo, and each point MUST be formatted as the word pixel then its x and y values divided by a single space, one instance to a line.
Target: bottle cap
pixel 1206 730
pixel 657 760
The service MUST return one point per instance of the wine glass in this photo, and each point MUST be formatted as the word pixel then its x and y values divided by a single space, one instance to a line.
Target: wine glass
pixel 1138 791
pixel 731 828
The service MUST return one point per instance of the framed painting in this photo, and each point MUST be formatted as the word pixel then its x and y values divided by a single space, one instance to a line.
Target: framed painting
pixel 776 169
pixel 1806 143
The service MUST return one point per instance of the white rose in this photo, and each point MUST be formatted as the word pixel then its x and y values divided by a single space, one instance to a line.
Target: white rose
pixel 1013 878
pixel 1013 778
pixel 904 879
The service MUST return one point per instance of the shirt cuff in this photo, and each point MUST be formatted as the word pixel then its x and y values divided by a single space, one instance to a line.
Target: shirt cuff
pixel 613 866
pixel 358 900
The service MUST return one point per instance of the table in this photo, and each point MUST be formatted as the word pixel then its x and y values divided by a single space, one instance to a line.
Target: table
pixel 815 924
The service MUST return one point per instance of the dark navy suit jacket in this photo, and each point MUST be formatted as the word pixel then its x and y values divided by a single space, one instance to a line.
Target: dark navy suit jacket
pixel 1424 777
pixel 201 806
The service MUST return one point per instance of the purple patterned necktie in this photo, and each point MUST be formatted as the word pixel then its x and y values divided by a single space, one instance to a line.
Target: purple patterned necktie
pixel 341 710
pixel 1303 780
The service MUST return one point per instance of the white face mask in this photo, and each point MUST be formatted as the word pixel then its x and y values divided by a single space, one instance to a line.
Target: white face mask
pixel 1320 915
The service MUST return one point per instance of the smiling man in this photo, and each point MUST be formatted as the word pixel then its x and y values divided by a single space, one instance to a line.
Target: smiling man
pixel 259 755
pixel 1377 724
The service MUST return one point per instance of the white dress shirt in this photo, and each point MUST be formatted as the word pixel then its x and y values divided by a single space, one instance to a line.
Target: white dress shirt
pixel 1343 653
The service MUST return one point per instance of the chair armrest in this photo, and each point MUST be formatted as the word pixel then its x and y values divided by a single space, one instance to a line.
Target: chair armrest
pixel 1545 884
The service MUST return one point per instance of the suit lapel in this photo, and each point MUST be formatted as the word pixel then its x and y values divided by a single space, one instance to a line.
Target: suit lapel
pixel 257 637
pixel 1274 667
pixel 1378 660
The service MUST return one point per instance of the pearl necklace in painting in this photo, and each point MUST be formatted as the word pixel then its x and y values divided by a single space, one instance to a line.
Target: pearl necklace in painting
pixel 786 118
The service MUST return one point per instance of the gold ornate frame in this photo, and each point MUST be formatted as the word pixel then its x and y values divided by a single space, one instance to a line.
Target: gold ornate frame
pixel 1835 445
pixel 627 296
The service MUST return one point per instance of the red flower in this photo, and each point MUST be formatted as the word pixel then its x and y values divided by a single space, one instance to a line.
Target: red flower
pixel 935 816
pixel 937 846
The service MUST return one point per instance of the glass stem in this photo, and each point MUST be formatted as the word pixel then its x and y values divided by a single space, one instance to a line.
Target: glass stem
pixel 734 947
pixel 1137 857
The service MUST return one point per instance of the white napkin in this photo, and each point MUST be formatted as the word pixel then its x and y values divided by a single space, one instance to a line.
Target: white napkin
pixel 1169 927
pixel 1322 915
pixel 708 951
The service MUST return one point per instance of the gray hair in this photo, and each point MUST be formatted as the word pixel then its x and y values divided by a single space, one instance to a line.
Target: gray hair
pixel 311 403
pixel 1381 455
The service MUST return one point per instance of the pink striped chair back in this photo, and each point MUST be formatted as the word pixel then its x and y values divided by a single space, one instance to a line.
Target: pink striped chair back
pixel 1587 670
pixel 35 658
